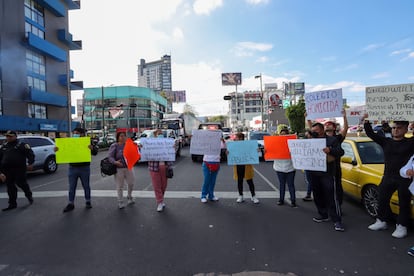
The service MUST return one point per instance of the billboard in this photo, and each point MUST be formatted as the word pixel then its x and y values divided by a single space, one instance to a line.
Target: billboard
pixel 231 79
pixel 176 96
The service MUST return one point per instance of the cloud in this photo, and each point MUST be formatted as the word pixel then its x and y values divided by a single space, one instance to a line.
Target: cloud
pixel 178 33
pixel 372 47
pixel 262 59
pixel 204 7
pixel 409 56
pixel 257 2
pixel 399 52
pixel 381 75
pixel 248 48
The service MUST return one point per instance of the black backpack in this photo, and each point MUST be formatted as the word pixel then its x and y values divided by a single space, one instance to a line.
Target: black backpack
pixel 107 168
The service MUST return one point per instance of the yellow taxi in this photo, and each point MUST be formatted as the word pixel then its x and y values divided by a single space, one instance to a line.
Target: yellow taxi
pixel 362 168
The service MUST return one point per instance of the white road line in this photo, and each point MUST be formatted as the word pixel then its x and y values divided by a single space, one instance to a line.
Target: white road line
pixel 267 181
pixel 3 266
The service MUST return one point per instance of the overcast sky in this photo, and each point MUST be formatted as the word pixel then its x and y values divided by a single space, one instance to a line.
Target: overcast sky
pixel 348 44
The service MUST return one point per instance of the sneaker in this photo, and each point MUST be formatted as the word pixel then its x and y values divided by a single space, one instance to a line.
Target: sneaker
pixel 214 199
pixel 10 207
pixel 239 199
pixel 400 231
pixel 320 219
pixel 378 225
pixel 121 205
pixel 255 200
pixel 88 205
pixel 203 200
pixel 411 251
pixel 69 208
pixel 293 205
pixel 339 227
pixel 307 198
pixel 130 200
pixel 160 207
pixel 280 202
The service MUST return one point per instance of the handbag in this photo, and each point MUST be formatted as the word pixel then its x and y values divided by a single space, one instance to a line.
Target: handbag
pixel 212 167
pixel 169 172
pixel 107 168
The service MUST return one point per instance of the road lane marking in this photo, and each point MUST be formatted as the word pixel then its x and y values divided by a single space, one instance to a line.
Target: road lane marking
pixel 266 180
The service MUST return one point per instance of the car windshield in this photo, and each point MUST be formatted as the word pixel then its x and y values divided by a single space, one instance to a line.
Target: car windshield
pixel 258 135
pixel 370 153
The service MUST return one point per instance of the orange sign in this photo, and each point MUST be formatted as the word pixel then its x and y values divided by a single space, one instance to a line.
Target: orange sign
pixel 131 153
pixel 276 147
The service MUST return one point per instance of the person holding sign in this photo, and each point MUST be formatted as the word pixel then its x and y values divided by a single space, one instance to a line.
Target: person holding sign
pixel 286 175
pixel 123 174
pixel 397 152
pixel 241 172
pixel 323 183
pixel 158 172
pixel 80 170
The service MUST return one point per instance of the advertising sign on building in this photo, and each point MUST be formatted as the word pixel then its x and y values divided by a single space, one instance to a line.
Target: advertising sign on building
pixel 390 102
pixel 176 96
pixel 231 79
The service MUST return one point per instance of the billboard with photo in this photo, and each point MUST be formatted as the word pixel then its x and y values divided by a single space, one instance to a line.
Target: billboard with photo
pixel 176 96
pixel 231 79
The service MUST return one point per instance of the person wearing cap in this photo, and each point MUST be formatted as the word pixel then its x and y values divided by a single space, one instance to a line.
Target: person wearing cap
pixel 79 170
pixel 397 152
pixel 16 158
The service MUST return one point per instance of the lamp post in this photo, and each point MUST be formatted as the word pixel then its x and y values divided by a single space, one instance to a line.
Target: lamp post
pixel 261 97
pixel 103 112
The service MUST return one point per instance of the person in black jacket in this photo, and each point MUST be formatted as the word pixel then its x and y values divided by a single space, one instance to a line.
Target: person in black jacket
pixel 15 158
pixel 79 170
pixel 323 183
pixel 397 152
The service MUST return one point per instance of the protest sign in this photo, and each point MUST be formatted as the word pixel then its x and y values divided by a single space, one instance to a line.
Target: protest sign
pixel 242 152
pixel 73 150
pixel 205 142
pixel 131 153
pixel 390 102
pixel 324 104
pixel 307 154
pixel 276 147
pixel 157 149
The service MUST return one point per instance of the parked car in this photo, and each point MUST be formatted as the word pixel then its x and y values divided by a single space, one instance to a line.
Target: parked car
pixel 258 135
pixel 105 142
pixel 43 148
pixel 362 168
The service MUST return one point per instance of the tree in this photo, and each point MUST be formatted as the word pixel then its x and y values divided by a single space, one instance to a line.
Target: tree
pixel 295 114
pixel 219 118
pixel 188 109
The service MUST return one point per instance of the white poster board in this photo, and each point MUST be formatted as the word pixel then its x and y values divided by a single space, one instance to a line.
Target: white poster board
pixel 205 142
pixel 307 154
pixel 391 102
pixel 157 149
pixel 324 104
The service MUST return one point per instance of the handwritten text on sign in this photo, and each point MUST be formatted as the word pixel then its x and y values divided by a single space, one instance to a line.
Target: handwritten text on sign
pixel 205 142
pixel 242 152
pixel 324 104
pixel 391 102
pixel 157 149
pixel 307 154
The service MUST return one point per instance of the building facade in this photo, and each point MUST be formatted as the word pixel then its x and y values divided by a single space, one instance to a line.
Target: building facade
pixel 127 108
pixel 155 75
pixel 35 75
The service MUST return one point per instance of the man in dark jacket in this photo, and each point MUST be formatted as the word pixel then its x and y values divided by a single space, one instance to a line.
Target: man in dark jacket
pixel 15 158
pixel 323 183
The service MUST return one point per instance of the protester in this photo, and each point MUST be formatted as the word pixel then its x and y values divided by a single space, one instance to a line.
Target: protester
pixel 123 174
pixel 286 175
pixel 408 172
pixel 308 197
pixel 80 170
pixel 241 172
pixel 397 152
pixel 13 157
pixel 323 183
pixel 159 180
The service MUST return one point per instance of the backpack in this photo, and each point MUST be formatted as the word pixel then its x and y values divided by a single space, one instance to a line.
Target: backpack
pixel 107 168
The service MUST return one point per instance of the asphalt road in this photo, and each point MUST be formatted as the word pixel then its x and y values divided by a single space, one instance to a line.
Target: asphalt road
pixel 188 238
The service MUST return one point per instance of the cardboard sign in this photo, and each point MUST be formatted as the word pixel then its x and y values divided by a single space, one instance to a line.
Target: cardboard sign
pixel 242 152
pixel 307 154
pixel 73 150
pixel 276 147
pixel 157 149
pixel 131 153
pixel 205 142
pixel 324 104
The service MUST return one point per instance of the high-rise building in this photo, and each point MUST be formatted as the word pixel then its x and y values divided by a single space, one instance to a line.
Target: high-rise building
pixel 155 75
pixel 35 75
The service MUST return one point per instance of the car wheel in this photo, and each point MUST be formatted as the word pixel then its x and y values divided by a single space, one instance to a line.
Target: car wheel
pixel 370 199
pixel 50 165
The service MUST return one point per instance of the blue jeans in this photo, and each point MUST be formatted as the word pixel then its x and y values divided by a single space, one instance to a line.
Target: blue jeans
pixel 82 172
pixel 308 183
pixel 288 178
pixel 209 182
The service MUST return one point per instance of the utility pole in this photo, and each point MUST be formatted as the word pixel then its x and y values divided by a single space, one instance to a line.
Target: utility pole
pixel 261 98
pixel 103 112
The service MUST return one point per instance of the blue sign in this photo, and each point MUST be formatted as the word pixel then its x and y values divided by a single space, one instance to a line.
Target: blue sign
pixel 242 152
pixel 49 127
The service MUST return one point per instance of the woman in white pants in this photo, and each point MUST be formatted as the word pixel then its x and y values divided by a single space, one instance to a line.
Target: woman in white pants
pixel 116 157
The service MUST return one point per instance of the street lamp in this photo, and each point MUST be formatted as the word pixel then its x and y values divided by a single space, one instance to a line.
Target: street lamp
pixel 261 97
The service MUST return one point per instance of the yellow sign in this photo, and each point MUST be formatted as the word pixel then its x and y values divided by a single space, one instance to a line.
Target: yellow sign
pixel 73 150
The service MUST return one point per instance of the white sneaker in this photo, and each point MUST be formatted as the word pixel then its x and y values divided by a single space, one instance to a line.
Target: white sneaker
pixel 160 207
pixel 378 225
pixel 239 199
pixel 204 200
pixel 130 200
pixel 255 200
pixel 121 205
pixel 214 199
pixel 400 231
